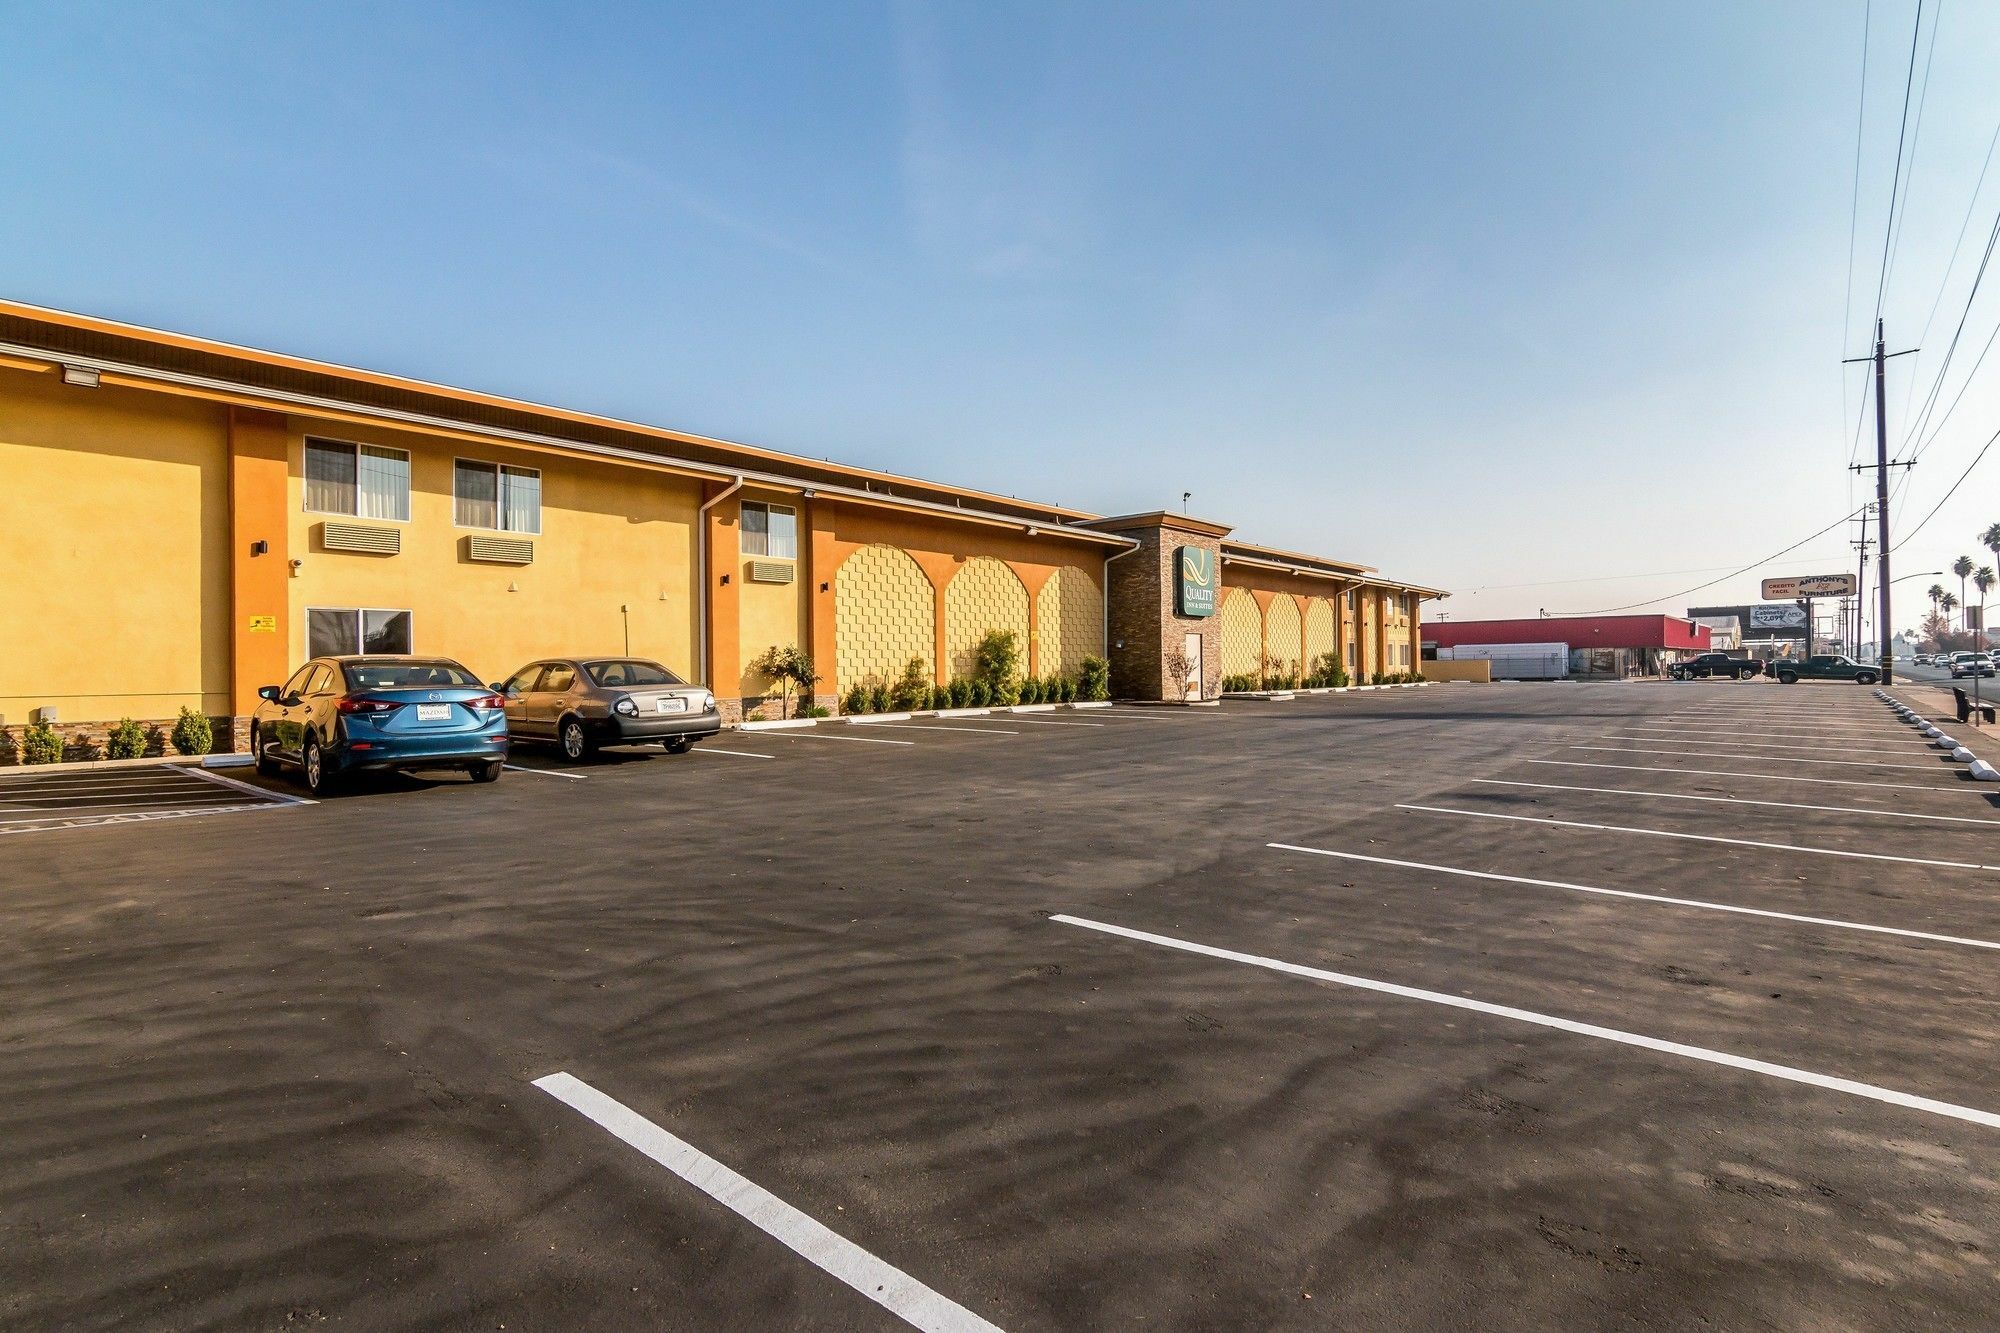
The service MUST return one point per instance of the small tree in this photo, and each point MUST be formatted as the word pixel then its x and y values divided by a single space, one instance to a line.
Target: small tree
pixel 41 745
pixel 1176 666
pixel 792 669
pixel 997 661
pixel 1093 679
pixel 913 689
pixel 126 741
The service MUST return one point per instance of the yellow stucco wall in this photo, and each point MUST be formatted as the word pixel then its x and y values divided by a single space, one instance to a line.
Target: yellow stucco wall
pixel 1318 631
pixel 114 554
pixel 769 614
pixel 983 595
pixel 1283 640
pixel 1242 634
pixel 885 613
pixel 610 537
pixel 1069 612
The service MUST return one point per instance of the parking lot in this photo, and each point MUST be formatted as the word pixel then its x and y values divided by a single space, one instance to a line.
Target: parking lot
pixel 1576 1006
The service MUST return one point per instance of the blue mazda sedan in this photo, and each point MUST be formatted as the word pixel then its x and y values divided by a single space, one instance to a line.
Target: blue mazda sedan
pixel 341 715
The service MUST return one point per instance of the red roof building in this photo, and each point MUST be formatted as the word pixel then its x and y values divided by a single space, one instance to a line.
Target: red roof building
pixel 1670 633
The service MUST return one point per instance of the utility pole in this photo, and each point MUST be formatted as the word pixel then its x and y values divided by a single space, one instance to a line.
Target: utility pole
pixel 1860 579
pixel 1882 465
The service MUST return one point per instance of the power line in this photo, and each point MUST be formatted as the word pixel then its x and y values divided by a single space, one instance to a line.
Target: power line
pixel 1589 578
pixel 1895 181
pixel 1956 245
pixel 1904 541
pixel 1902 211
pixel 1854 216
pixel 1754 564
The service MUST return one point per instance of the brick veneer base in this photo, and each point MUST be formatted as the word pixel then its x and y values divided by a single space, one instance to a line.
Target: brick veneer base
pixel 87 740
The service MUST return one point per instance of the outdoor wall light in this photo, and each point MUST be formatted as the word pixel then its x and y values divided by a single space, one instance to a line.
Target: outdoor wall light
pixel 297 565
pixel 513 587
pixel 808 494
pixel 260 548
pixel 83 377
pixel 822 587
pixel 725 578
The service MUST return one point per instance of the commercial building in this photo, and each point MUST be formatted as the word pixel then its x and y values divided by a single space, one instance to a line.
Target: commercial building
pixel 1593 646
pixel 183 521
pixel 1765 629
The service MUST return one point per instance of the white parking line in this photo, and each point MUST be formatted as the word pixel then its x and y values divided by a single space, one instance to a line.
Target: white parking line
pixel 740 754
pixel 1744 754
pixel 1764 777
pixel 70 819
pixel 814 734
pixel 1051 722
pixel 1643 897
pixel 1787 734
pixel 1758 745
pixel 889 1287
pixel 283 798
pixel 1541 821
pixel 944 725
pixel 543 772
pixel 1786 1072
pixel 1740 800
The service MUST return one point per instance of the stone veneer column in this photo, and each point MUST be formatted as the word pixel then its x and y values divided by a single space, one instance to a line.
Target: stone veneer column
pixel 1144 625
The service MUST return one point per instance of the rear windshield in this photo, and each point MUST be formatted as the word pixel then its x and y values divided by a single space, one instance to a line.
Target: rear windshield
pixel 408 676
pixel 626 671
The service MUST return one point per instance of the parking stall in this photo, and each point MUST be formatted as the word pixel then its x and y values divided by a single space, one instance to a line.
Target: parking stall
pixel 90 797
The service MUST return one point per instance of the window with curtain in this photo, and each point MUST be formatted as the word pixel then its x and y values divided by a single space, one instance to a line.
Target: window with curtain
pixel 344 631
pixel 488 495
pixel 358 480
pixel 770 530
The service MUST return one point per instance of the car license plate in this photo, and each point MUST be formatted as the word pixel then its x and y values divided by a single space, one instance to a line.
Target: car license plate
pixel 671 704
pixel 433 712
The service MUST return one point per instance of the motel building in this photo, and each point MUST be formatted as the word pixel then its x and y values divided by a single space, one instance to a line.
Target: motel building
pixel 183 521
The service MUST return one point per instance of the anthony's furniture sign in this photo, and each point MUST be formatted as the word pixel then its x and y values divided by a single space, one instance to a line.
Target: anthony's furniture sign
pixel 1812 585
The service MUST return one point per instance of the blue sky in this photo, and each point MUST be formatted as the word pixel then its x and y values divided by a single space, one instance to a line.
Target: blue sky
pixel 1507 298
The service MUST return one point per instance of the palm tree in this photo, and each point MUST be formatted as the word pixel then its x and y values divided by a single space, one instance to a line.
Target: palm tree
pixel 1982 579
pixel 1963 568
pixel 1946 605
pixel 1936 593
pixel 1990 539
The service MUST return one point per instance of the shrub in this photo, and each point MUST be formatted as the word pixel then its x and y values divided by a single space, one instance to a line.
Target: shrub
pixel 960 691
pixel 792 668
pixel 1093 680
pixel 126 741
pixel 1031 691
pixel 1006 693
pixel 814 710
pixel 912 690
pixel 1065 690
pixel 41 745
pixel 978 694
pixel 192 733
pixel 856 701
pixel 997 660
pixel 878 698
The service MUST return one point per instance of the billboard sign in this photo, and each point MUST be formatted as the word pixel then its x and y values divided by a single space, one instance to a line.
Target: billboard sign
pixel 1785 615
pixel 1812 585
pixel 1194 581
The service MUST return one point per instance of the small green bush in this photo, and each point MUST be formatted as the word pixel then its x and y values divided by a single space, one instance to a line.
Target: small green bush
pixel 1093 680
pixel 1065 690
pixel 41 745
pixel 997 660
pixel 1031 691
pixel 1006 693
pixel 878 698
pixel 912 689
pixel 192 733
pixel 126 741
pixel 960 691
pixel 813 710
pixel 978 694
pixel 856 701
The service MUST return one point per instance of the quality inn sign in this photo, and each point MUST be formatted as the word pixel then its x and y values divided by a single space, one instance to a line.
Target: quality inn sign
pixel 1194 581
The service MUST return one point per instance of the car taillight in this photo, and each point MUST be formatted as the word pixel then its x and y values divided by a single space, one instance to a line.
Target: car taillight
pixel 486 701
pixel 349 703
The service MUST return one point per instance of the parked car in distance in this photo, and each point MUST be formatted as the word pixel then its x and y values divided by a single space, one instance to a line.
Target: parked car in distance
pixel 579 703
pixel 1827 668
pixel 1922 659
pixel 341 715
pixel 1971 664
pixel 1717 664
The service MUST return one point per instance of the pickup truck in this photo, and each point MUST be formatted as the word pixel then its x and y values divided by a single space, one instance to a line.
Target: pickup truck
pixel 1827 668
pixel 1717 664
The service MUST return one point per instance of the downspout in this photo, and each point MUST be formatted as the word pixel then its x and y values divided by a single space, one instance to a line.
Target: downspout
pixel 701 575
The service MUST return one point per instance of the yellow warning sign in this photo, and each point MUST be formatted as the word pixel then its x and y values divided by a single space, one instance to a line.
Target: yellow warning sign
pixel 263 624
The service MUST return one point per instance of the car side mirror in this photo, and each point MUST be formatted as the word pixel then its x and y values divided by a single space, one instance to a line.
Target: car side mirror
pixel 269 692
pixel 497 687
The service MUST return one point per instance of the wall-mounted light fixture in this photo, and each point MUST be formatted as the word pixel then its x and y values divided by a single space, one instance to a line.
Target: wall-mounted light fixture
pixel 260 548
pixel 83 377
pixel 808 493
pixel 297 565
pixel 822 587
pixel 725 578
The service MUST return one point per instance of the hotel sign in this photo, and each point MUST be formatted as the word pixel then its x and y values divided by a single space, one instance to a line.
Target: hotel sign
pixel 1194 581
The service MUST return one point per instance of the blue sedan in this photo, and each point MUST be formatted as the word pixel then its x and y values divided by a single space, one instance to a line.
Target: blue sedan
pixel 340 715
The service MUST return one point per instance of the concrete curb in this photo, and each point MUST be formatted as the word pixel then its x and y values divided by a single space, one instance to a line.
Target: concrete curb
pixel 88 765
pixel 864 719
pixel 785 725
pixel 1984 771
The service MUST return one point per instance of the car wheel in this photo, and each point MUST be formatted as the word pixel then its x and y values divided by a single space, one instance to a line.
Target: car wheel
pixel 574 741
pixel 266 765
pixel 318 780
pixel 486 772
pixel 1787 678
pixel 1865 678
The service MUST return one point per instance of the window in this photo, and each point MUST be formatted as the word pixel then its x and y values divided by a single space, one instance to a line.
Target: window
pixel 345 632
pixel 489 495
pixel 523 681
pixel 408 676
pixel 359 480
pixel 560 678
pixel 631 673
pixel 319 682
pixel 771 530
